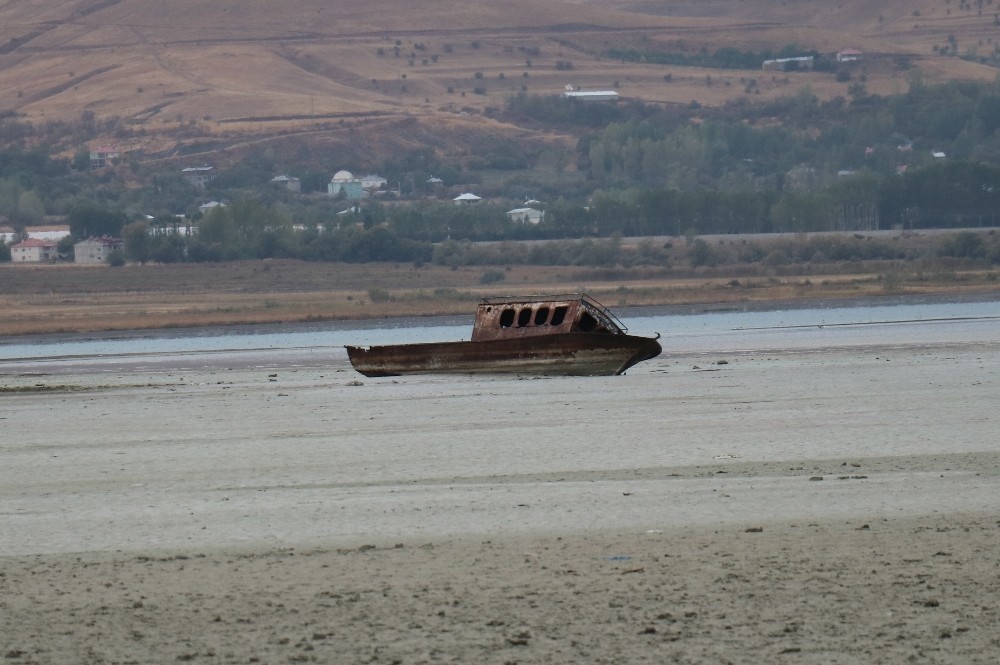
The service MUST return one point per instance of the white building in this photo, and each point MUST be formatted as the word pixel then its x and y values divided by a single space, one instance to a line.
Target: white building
pixel 466 199
pixel 34 250
pixel 54 232
pixel 288 182
pixel 96 250
pixel 199 176
pixel 206 208
pixel 525 215
pixel 373 183
pixel 783 64
pixel 343 183
pixel 592 95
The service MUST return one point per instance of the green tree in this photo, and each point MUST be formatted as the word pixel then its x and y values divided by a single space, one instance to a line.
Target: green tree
pixel 88 220
pixel 30 209
pixel 138 244
pixel 66 248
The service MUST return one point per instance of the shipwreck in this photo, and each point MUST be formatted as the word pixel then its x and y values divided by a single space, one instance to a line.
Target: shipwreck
pixel 571 335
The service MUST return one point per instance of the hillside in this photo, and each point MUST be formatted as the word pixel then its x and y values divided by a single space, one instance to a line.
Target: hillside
pixel 196 79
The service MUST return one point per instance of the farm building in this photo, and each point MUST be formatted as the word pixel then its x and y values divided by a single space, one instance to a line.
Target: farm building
pixel 525 215
pixel 34 250
pixel 785 64
pixel 96 250
pixel 591 95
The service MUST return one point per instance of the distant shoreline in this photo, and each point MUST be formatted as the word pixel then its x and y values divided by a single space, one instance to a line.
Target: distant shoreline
pixel 283 292
pixel 460 319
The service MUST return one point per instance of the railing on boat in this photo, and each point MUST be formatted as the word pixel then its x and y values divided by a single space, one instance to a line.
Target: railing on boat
pixel 597 310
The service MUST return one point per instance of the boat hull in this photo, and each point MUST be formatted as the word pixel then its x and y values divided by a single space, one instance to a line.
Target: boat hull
pixel 570 354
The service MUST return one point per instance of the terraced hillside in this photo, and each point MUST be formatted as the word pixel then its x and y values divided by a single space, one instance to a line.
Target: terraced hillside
pixel 197 78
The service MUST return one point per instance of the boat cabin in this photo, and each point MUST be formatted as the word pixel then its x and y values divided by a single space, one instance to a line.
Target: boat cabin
pixel 517 317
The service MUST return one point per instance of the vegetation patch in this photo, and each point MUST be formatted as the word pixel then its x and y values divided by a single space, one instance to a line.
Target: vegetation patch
pixel 723 58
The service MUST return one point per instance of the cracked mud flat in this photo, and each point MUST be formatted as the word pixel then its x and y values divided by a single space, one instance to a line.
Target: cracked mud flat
pixel 821 506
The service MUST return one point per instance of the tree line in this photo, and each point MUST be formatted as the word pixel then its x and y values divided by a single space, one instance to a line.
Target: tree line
pixel 925 158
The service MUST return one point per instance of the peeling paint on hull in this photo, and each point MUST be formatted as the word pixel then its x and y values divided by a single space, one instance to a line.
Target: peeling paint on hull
pixel 567 354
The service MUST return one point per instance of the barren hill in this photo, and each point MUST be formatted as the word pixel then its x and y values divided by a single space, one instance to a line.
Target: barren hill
pixel 185 77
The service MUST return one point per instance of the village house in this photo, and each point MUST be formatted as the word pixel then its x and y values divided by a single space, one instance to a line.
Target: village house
pixel 372 183
pixel 102 156
pixel 288 182
pixel 849 55
pixel 525 215
pixel 96 250
pixel 199 176
pixel 206 208
pixel 435 185
pixel 34 250
pixel 466 199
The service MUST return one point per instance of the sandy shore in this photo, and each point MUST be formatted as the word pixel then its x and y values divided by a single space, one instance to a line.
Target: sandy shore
pixel 821 506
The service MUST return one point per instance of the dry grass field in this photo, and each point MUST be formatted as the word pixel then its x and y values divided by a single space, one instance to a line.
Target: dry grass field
pixel 346 74
pixel 68 298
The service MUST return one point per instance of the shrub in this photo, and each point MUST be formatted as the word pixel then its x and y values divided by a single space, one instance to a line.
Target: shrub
pixel 116 258
pixel 378 295
pixel 492 277
pixel 965 245
pixel 700 254
pixel 777 257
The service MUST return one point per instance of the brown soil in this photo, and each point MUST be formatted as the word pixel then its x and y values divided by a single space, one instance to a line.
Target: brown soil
pixel 202 72
pixel 51 299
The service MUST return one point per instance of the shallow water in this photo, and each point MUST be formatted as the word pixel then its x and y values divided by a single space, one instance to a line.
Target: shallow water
pixel 310 345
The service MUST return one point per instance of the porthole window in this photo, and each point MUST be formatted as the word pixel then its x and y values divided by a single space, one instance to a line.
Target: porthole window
pixel 559 315
pixel 524 317
pixel 507 318
pixel 542 316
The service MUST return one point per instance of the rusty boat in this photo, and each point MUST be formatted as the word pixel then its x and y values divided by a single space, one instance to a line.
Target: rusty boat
pixel 570 335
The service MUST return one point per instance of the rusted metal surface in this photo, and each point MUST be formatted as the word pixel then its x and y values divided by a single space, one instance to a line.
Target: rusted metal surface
pixel 560 335
pixel 513 318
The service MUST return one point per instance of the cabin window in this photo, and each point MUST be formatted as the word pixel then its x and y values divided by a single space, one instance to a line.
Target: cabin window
pixel 507 318
pixel 587 322
pixel 541 316
pixel 559 315
pixel 524 317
